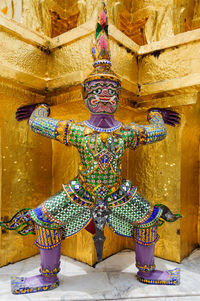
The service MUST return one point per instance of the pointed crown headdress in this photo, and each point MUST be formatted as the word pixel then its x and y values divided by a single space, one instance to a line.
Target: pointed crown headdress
pixel 101 51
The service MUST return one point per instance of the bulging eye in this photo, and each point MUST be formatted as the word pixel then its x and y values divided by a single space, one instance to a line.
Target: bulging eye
pixel 111 92
pixel 97 91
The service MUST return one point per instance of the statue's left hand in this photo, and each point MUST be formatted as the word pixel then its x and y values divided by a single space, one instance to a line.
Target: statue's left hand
pixel 25 112
pixel 170 117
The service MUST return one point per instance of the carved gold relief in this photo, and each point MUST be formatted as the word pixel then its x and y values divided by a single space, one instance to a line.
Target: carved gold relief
pixel 60 24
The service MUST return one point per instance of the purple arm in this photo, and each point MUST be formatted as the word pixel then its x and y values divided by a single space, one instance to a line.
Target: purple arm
pixel 170 117
pixel 25 112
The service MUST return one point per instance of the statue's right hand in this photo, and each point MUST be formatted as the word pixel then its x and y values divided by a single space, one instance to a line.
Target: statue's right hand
pixel 25 112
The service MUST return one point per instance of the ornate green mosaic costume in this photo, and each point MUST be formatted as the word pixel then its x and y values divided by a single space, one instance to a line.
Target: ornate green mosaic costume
pixel 101 152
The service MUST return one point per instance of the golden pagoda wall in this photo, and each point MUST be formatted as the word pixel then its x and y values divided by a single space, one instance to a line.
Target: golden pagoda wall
pixel 34 14
pixel 170 76
pixel 158 19
pixel 79 60
pixel 190 235
pixel 25 170
pixel 155 170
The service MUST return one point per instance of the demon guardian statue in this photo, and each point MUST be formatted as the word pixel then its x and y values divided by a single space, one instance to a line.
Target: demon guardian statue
pixel 98 194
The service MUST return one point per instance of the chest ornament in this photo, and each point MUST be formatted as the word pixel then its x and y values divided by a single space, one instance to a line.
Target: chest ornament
pixel 104 159
pixel 104 136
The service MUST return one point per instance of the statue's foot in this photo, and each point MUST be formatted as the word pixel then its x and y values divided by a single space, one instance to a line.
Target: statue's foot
pixel 171 277
pixel 27 285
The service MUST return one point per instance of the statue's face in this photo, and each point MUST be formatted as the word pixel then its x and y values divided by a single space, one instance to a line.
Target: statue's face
pixel 102 96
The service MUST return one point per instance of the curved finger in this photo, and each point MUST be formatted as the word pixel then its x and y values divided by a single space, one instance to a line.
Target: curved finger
pixel 170 123
pixel 174 115
pixel 171 120
pixel 23 111
pixel 176 120
pixel 22 117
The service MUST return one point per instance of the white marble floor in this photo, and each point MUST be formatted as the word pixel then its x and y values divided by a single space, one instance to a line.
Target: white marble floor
pixel 112 279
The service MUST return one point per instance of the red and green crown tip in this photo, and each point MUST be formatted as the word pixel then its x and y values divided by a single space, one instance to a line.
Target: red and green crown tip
pixel 102 21
pixel 101 51
pixel 100 46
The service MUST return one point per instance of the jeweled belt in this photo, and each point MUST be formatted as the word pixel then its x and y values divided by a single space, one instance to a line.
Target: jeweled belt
pixel 81 195
pixel 110 188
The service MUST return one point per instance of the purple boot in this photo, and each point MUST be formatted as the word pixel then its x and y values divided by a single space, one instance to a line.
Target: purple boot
pixel 147 273
pixel 47 280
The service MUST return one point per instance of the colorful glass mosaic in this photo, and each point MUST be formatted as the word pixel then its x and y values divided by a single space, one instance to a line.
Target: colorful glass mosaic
pixel 47 238
pixel 49 273
pixel 146 267
pixel 146 236
pixel 21 220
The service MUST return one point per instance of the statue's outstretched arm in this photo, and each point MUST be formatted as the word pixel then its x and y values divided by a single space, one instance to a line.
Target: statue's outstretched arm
pixel 40 123
pixel 156 130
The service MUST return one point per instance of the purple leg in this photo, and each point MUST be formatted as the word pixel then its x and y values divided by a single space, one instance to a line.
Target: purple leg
pixel 147 272
pixel 47 280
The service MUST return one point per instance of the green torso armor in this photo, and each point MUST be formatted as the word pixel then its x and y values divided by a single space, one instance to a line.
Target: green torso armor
pixel 100 169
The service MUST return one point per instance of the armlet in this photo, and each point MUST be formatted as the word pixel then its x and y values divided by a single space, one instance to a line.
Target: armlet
pixel 62 131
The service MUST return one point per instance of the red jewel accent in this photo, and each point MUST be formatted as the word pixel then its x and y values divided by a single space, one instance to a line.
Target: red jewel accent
pixel 103 19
